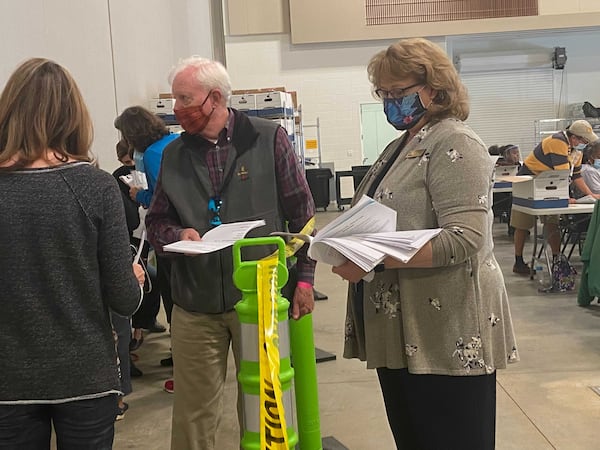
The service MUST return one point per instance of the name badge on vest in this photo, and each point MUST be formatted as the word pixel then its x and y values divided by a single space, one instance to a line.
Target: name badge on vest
pixel 415 153
pixel 242 174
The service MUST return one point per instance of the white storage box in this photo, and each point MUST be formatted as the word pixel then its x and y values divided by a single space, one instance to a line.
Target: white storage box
pixel 505 171
pixel 288 125
pixel 162 105
pixel 274 104
pixel 549 189
pixel 243 102
pixel 501 173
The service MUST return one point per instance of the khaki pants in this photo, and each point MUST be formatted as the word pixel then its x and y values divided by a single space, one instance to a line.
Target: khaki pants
pixel 522 221
pixel 200 345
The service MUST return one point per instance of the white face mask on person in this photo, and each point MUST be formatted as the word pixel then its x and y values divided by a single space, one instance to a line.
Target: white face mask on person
pixel 580 147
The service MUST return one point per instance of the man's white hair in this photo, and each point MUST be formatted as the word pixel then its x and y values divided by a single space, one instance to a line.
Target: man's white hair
pixel 210 74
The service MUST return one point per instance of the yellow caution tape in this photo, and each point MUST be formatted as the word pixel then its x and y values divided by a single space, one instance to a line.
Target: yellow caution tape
pixel 294 244
pixel 273 429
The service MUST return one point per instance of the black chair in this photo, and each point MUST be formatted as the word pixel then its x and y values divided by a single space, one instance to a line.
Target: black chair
pixel 573 230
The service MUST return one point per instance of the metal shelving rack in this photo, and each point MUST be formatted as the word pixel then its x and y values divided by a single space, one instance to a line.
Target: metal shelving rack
pixel 547 127
pixel 316 126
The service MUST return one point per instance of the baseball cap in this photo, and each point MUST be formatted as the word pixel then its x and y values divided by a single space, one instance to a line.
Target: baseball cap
pixel 583 129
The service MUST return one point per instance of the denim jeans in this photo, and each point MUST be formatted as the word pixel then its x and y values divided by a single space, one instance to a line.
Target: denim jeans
pixel 79 425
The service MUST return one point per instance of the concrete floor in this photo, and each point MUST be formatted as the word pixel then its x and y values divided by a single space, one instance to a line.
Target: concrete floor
pixel 545 401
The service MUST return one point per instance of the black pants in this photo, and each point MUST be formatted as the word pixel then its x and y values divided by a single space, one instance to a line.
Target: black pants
pixel 163 275
pixel 438 412
pixel 78 424
pixel 122 326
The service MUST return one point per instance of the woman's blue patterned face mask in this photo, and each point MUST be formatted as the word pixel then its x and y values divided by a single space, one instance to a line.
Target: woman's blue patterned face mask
pixel 404 112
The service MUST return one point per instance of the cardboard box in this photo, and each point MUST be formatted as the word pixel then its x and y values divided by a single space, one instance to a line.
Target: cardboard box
pixel 505 171
pixel 162 105
pixel 274 104
pixel 549 189
pixel 257 91
pixel 243 102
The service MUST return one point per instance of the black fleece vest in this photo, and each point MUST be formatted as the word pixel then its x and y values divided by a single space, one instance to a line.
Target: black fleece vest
pixel 204 283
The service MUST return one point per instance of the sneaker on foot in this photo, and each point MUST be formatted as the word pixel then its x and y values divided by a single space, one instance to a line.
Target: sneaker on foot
pixel 169 386
pixel 121 411
pixel 521 268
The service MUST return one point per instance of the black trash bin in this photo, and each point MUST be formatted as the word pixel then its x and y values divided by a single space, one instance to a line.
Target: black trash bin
pixel 358 173
pixel 318 182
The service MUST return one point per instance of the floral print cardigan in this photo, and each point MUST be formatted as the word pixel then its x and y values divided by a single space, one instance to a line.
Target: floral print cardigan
pixel 453 318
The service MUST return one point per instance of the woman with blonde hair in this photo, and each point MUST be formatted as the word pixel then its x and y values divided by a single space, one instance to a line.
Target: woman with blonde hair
pixel 65 259
pixel 437 327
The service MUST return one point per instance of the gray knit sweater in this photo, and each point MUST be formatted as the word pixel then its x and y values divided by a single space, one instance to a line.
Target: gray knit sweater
pixel 64 261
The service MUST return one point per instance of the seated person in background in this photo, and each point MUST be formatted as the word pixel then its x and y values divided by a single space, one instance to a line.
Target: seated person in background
pixel 509 155
pixel 590 169
pixel 560 151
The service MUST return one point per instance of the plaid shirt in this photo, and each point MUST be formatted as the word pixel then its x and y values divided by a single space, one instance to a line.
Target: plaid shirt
pixel 293 191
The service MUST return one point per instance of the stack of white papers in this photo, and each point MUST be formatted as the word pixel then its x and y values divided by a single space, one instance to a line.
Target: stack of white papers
pixel 365 235
pixel 135 179
pixel 216 239
pixel 586 199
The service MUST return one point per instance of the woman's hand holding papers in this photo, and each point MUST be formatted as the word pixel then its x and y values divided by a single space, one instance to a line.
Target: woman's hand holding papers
pixel 349 271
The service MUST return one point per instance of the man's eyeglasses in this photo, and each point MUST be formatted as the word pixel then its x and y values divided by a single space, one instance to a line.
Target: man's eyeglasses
pixel 214 206
pixel 394 93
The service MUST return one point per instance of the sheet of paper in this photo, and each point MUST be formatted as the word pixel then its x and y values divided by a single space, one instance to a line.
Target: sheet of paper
pixel 366 235
pixel 367 216
pixel 196 247
pixel 135 179
pixel 586 199
pixel 232 231
pixel 216 239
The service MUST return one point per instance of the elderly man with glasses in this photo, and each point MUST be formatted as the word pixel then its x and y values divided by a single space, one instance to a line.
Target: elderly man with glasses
pixel 225 167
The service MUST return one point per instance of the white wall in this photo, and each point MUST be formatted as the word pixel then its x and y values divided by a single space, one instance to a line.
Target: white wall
pixel 119 51
pixel 76 35
pixel 331 79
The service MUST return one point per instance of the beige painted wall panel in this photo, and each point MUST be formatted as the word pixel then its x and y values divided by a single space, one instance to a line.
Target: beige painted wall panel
pixel 315 21
pixel 549 7
pixel 589 5
pixel 257 17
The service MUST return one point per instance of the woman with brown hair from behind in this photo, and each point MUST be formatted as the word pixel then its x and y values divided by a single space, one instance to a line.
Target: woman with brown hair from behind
pixel 65 259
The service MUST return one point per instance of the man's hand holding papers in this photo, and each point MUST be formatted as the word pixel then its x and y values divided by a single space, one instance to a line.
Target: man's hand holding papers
pixel 216 239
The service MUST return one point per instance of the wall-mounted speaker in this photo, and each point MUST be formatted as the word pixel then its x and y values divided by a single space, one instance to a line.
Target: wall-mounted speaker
pixel 559 58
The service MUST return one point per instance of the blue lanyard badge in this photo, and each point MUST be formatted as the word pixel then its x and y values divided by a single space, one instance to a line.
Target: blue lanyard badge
pixel 214 206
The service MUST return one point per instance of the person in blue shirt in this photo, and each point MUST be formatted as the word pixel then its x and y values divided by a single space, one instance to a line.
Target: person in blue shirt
pixel 148 136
